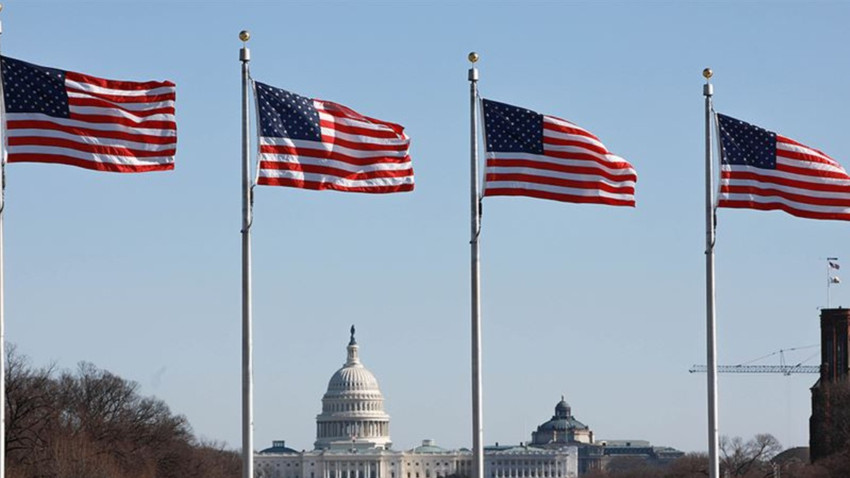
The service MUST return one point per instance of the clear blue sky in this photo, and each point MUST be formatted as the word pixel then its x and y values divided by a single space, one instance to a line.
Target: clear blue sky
pixel 140 274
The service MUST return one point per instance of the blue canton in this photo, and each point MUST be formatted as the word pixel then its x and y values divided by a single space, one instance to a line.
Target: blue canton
pixel 287 115
pixel 512 129
pixel 745 144
pixel 29 88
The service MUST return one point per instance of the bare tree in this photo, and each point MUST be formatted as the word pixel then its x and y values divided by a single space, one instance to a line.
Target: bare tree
pixel 692 465
pixel 30 408
pixel 751 457
pixel 91 423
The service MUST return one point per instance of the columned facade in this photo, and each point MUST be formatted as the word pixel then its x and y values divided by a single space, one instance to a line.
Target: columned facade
pixel 426 461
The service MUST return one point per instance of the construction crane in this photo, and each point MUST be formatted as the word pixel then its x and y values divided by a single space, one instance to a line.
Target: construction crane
pixel 783 367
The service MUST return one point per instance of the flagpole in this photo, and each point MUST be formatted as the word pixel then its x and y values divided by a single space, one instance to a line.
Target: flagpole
pixel 247 352
pixel 711 326
pixel 475 229
pixel 2 281
pixel 828 283
pixel 829 278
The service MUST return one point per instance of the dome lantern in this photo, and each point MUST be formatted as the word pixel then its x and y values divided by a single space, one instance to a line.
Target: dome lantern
pixel 562 409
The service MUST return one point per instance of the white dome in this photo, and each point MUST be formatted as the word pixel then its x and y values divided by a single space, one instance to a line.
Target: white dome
pixel 353 408
pixel 355 378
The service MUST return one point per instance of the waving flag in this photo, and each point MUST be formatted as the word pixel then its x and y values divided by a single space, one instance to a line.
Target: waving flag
pixel 763 170
pixel 62 117
pixel 535 155
pixel 315 144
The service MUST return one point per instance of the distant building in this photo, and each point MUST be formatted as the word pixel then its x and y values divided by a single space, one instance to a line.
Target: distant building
pixel 563 429
pixel 353 441
pixel 825 424
pixel 656 455
pixel 792 457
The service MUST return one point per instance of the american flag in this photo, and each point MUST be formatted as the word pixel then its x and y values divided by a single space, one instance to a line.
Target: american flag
pixel 530 154
pixel 760 169
pixel 63 117
pixel 315 144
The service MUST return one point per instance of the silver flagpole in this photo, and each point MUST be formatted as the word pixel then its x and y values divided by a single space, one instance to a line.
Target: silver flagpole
pixel 710 318
pixel 2 282
pixel 475 229
pixel 827 284
pixel 247 352
pixel 829 278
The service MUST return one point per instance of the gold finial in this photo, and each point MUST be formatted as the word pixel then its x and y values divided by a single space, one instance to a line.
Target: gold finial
pixel 473 57
pixel 706 73
pixel 1 6
pixel 244 35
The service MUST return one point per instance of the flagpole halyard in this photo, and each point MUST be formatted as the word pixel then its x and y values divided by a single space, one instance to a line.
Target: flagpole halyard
pixel 711 328
pixel 475 226
pixel 247 340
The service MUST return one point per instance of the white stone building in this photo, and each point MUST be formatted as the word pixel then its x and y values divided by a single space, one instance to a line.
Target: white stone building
pixel 353 441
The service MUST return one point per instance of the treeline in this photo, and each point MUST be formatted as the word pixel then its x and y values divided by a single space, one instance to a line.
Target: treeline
pixel 90 423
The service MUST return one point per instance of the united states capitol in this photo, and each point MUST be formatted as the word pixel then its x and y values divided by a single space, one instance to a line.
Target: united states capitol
pixel 353 441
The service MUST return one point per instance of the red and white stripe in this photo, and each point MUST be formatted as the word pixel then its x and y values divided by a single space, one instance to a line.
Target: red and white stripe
pixel 118 126
pixel 806 183
pixel 574 167
pixel 356 154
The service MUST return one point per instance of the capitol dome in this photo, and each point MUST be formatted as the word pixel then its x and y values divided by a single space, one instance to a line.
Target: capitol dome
pixel 353 408
pixel 350 378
